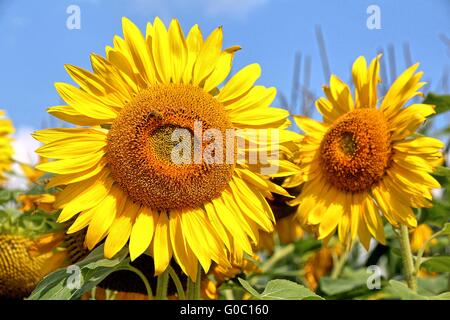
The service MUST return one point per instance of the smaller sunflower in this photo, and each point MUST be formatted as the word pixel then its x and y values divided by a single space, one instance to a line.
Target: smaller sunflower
pixel 31 173
pixel 364 160
pixel 420 235
pixel 33 202
pixel 24 262
pixel 6 150
pixel 320 264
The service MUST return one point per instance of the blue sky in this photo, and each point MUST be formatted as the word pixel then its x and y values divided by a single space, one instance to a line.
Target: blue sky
pixel 36 44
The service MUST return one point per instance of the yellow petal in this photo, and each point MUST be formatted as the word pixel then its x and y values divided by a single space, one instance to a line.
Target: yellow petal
pixel 404 88
pixel 50 135
pixel 221 71
pixel 72 165
pixel 373 221
pixel 162 250
pixel 95 85
pixel 240 83
pixel 161 51
pixel 194 42
pixel 85 103
pixel 104 215
pixel 69 114
pixel 142 232
pixel 138 49
pixel 207 57
pixel 65 179
pixel 121 229
pixel 332 216
pixel 84 194
pixel 72 147
pixel 181 250
pixel 258 97
pixel 178 50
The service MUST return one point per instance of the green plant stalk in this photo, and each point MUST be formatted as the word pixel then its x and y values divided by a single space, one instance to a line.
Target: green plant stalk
pixel 138 272
pixel 407 258
pixel 162 285
pixel 190 288
pixel 339 267
pixel 178 285
pixel 422 250
pixel 229 295
pixel 277 256
pixel 198 284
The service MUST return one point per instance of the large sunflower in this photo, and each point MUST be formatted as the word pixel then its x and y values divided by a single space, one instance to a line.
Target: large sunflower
pixel 6 150
pixel 118 170
pixel 365 161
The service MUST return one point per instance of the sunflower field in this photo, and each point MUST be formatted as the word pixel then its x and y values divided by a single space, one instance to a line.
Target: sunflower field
pixel 165 173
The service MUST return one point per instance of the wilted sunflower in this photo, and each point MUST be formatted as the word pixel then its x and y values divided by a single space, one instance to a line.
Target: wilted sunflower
pixel 364 159
pixel 118 172
pixel 6 150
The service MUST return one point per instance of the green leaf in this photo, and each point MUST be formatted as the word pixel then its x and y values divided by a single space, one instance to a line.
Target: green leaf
pixel 442 171
pixel 442 102
pixel 281 290
pixel 92 270
pixel 437 264
pixel 433 285
pixel 305 245
pixel 349 280
pixel 400 290
pixel 445 229
pixel 436 215
pixel 5 196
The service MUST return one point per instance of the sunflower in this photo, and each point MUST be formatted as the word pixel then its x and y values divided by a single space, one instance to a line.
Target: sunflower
pixel 420 235
pixel 118 170
pixel 364 160
pixel 33 202
pixel 6 150
pixel 31 173
pixel 24 261
pixel 320 264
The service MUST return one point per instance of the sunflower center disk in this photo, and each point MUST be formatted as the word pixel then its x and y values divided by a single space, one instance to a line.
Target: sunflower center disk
pixel 356 150
pixel 158 153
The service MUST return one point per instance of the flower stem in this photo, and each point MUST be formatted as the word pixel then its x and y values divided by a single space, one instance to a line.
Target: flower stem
pixel 277 256
pixel 198 283
pixel 193 288
pixel 162 285
pixel 408 264
pixel 178 284
pixel 144 279
pixel 340 263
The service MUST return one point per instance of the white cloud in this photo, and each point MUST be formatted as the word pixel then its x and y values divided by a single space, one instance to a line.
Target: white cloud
pixel 24 146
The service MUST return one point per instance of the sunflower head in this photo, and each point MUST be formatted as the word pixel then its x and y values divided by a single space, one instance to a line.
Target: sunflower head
pixel 363 161
pixel 163 158
pixel 6 150
pixel 24 262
